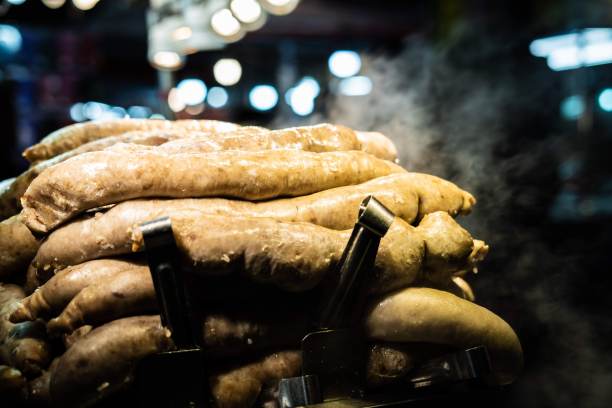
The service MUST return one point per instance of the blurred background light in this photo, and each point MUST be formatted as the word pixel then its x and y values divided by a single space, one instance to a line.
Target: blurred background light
pixel 167 60
pixel 165 52
pixel 80 112
pixel 157 116
pixel 175 103
pixel 227 71
pixel 16 2
pixel 310 85
pixel 10 39
pixel 116 112
pixel 605 100
pixel 196 16
pixel 194 110
pixel 344 63
pixel 263 97
pixel 247 11
pixel 588 47
pixel 279 7
pixel 139 112
pixel 94 110
pixel 575 57
pixel 54 4
pixel 544 46
pixel 85 4
pixel 182 33
pixel 226 25
pixel 76 112
pixel 563 58
pixel 355 86
pixel 302 105
pixel 597 54
pixel 572 107
pixel 217 97
pixel 301 98
pixel 191 91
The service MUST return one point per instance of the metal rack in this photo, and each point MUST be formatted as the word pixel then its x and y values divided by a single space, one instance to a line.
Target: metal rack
pixel 333 353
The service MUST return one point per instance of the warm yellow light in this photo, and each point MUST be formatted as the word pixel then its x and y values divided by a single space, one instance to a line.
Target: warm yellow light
pixel 279 7
pixel 85 4
pixel 247 11
pixel 182 33
pixel 225 24
pixel 227 71
pixel 167 59
pixel 54 4
pixel 175 102
pixel 195 109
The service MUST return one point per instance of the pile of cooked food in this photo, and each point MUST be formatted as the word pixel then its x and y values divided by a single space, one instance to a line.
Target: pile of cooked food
pixel 261 218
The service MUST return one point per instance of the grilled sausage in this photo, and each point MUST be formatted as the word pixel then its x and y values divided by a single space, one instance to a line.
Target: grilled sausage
pixel 65 285
pixel 8 205
pixel 124 294
pixel 73 136
pixel 99 178
pixel 12 384
pixel 101 362
pixel 17 247
pixel 292 256
pixel 319 138
pixel 240 387
pixel 22 345
pixel 409 195
pixel 10 197
pixel 378 145
pixel 433 316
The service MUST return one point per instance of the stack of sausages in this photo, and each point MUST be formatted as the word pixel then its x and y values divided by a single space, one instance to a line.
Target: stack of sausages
pixel 261 218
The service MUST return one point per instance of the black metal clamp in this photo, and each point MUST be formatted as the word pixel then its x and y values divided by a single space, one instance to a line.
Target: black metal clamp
pixel 333 355
pixel 175 378
pixel 465 365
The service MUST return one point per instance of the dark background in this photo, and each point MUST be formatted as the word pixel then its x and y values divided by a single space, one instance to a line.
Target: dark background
pixel 456 88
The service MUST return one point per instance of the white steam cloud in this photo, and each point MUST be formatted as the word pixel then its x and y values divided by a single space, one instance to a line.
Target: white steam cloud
pixel 450 122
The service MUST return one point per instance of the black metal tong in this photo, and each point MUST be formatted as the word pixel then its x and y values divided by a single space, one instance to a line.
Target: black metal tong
pixel 333 355
pixel 472 364
pixel 175 378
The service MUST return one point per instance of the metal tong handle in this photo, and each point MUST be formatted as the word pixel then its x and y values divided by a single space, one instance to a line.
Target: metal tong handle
pixel 169 281
pixel 333 354
pixel 464 365
pixel 174 378
pixel 345 304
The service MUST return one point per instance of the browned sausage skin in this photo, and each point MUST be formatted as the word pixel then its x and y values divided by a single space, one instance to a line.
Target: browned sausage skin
pixel 17 247
pixel 65 285
pixel 410 196
pixel 58 194
pixel 433 316
pixel 22 345
pixel 101 362
pixel 318 138
pixel 73 136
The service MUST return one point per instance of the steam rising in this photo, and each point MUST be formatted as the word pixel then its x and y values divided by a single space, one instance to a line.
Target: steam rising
pixel 449 122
